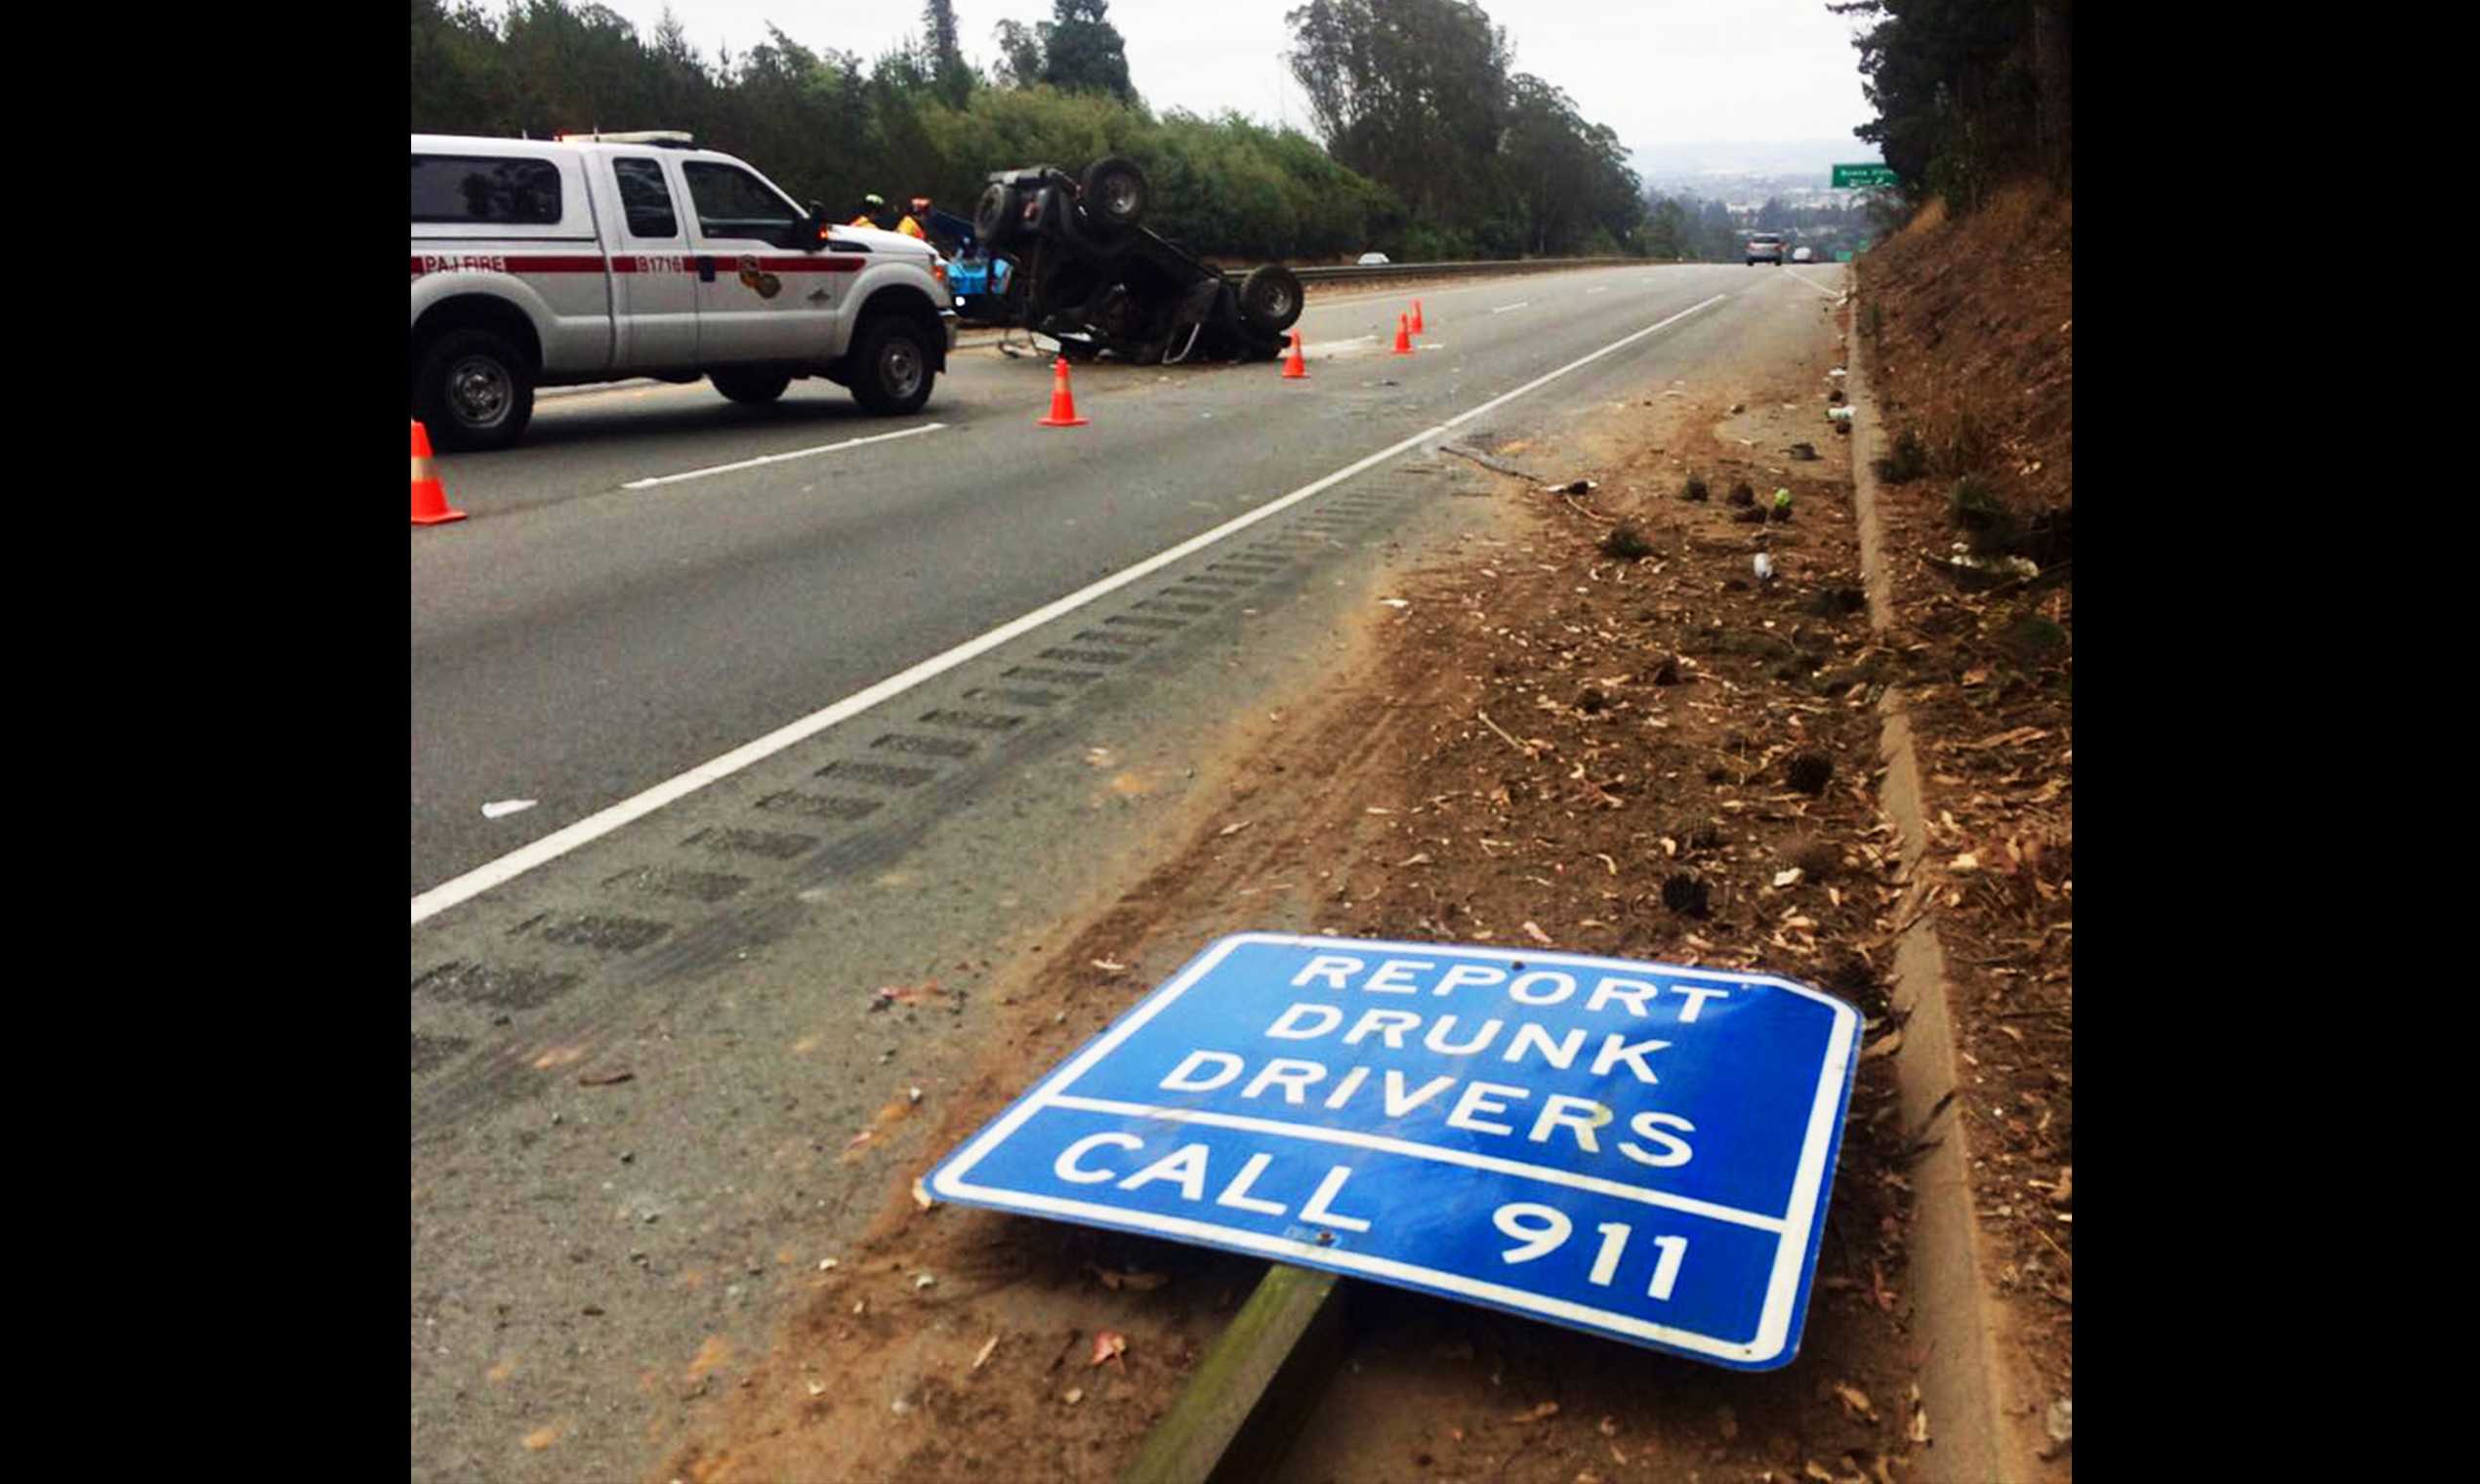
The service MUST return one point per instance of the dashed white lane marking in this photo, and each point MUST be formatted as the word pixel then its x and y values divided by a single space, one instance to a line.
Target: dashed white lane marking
pixel 595 826
pixel 778 458
pixel 1519 303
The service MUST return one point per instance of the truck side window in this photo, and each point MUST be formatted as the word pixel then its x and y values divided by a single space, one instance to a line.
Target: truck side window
pixel 646 199
pixel 464 189
pixel 733 203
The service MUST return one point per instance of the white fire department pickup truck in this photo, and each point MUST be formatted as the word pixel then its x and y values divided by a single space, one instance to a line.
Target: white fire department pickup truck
pixel 543 263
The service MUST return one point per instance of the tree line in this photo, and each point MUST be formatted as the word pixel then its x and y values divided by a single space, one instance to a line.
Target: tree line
pixel 1430 146
pixel 1969 93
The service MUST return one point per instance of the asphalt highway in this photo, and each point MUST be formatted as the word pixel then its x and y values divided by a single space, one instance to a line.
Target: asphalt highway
pixel 580 639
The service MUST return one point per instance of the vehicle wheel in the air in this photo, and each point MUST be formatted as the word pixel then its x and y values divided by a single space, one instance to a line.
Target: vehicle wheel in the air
pixel 1270 299
pixel 996 215
pixel 1114 192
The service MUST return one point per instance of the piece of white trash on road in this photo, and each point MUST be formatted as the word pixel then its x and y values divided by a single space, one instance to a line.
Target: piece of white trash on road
pixel 506 806
pixel 1396 602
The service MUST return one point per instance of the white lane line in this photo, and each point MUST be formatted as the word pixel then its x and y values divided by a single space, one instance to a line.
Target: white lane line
pixel 595 826
pixel 1819 287
pixel 1517 305
pixel 778 458
pixel 1588 359
pixel 1599 288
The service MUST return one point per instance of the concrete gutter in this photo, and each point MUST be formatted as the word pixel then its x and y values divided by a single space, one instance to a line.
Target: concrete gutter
pixel 1978 1427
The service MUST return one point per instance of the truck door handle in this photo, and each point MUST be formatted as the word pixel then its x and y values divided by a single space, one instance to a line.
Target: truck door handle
pixel 706 271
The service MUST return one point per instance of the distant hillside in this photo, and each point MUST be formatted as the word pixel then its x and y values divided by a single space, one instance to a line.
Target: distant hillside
pixel 1787 157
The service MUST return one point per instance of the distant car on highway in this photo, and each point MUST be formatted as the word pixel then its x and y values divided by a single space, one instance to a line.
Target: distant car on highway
pixel 1802 255
pixel 1374 260
pixel 1765 247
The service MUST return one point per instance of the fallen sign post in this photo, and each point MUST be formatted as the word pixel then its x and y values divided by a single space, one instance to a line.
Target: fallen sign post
pixel 1640 1151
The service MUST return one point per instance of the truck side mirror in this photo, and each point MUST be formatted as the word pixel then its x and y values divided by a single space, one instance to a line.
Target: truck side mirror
pixel 815 231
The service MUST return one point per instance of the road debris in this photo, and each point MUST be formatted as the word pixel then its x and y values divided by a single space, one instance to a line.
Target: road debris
pixel 1131 1280
pixel 2059 1424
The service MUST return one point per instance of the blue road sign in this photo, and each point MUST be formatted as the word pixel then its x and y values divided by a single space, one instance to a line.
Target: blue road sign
pixel 1636 1150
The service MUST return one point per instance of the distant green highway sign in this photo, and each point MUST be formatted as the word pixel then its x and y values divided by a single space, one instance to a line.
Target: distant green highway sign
pixel 1862 176
pixel 1842 255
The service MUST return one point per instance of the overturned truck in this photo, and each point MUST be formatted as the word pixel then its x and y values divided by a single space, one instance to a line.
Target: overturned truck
pixel 1088 275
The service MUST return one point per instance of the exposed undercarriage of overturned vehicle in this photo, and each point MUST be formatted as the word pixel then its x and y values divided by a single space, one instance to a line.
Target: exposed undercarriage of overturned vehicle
pixel 1091 277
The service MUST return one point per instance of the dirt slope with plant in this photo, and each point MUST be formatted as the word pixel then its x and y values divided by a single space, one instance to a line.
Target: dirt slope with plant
pixel 1971 330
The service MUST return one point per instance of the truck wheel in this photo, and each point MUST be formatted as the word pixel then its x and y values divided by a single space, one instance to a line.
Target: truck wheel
pixel 752 386
pixel 1114 192
pixel 995 216
pixel 891 366
pixel 473 389
pixel 1270 299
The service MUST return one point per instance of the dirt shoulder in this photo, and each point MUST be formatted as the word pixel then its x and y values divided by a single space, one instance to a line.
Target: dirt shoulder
pixel 1552 735
pixel 1971 329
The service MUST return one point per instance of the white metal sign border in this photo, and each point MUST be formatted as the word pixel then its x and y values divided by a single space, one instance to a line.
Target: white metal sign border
pixel 1801 1229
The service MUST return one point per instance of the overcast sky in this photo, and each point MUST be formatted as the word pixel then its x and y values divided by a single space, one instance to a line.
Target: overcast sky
pixel 1661 72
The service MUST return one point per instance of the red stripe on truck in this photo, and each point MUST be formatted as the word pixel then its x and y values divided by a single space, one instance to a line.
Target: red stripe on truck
pixel 622 262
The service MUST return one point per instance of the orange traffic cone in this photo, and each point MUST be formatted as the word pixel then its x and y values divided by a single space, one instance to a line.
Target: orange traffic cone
pixel 1296 369
pixel 1416 319
pixel 1403 335
pixel 1062 402
pixel 430 501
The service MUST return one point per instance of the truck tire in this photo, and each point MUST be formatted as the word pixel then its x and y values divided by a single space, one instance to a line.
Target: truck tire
pixel 473 389
pixel 1269 299
pixel 996 215
pixel 754 387
pixel 1114 192
pixel 890 368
